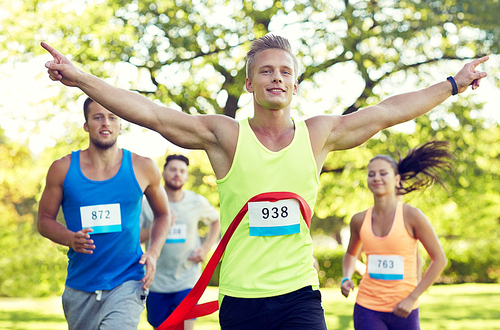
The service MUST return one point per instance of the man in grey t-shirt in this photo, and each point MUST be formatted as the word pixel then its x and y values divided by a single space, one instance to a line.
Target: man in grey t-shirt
pixel 179 264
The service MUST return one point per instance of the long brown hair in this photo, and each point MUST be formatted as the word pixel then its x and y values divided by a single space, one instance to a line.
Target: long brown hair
pixel 422 166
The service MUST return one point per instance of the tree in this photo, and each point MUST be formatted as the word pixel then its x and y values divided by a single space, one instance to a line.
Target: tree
pixel 190 55
pixel 193 51
pixel 31 265
pixel 465 214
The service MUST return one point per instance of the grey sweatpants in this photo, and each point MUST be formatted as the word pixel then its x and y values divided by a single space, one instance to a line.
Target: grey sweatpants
pixel 119 308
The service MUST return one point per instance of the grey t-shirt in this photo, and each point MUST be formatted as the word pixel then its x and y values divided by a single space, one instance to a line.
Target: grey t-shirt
pixel 174 272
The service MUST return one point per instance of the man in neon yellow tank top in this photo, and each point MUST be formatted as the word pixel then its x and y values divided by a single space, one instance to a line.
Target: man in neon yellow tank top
pixel 267 275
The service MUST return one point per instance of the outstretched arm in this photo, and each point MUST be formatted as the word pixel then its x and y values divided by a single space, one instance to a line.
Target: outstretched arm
pixel 187 131
pixel 345 132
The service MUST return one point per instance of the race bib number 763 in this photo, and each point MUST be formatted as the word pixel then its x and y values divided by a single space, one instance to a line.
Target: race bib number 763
pixel 386 267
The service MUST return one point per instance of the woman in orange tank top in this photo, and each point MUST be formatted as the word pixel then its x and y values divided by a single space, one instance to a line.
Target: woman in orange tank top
pixel 388 233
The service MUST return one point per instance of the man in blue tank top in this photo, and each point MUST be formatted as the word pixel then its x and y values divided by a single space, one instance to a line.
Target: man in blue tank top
pixel 100 190
pixel 272 79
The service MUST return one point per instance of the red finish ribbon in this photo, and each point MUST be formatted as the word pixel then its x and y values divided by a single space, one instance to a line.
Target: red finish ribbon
pixel 188 309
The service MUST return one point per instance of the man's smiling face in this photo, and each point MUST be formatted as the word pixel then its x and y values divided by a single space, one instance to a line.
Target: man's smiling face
pixel 273 82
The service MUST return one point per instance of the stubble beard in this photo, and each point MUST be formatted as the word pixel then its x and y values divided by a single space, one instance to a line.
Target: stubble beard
pixel 174 186
pixel 103 145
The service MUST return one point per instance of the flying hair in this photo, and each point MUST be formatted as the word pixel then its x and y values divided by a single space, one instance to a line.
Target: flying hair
pixel 422 166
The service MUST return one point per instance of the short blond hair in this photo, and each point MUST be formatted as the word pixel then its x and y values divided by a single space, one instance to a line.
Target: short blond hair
pixel 269 41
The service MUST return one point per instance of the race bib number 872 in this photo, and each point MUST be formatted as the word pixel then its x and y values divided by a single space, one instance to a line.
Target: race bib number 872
pixel 104 218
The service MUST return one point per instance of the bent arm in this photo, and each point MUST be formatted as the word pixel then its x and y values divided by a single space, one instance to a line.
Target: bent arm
pixel 351 255
pixel 200 254
pixel 144 234
pixel 425 233
pixel 213 235
pixel 158 200
pixel 48 208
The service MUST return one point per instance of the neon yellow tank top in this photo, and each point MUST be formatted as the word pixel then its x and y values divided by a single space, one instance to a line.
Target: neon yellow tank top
pixel 265 266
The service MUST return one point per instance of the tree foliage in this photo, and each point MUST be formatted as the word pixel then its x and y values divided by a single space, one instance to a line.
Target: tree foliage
pixel 193 51
pixel 190 55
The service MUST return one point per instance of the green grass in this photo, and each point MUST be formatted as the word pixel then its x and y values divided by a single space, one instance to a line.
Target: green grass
pixel 466 306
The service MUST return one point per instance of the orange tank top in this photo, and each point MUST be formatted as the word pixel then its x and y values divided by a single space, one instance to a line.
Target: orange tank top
pixel 391 265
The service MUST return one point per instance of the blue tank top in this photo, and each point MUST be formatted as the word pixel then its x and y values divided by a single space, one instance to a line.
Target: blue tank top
pixel 115 258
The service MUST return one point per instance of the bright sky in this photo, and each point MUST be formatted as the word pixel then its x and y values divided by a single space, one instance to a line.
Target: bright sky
pixel 25 85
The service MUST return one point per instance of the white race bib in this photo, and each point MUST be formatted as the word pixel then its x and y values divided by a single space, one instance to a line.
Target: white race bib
pixel 274 218
pixel 388 268
pixel 104 218
pixel 177 233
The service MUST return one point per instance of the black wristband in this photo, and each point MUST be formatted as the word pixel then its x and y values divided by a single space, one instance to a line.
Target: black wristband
pixel 454 85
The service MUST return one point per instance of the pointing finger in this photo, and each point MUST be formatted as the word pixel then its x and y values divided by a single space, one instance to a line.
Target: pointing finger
pixel 480 60
pixel 49 48
pixel 55 54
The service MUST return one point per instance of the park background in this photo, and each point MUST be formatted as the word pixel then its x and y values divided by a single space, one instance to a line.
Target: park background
pixel 189 55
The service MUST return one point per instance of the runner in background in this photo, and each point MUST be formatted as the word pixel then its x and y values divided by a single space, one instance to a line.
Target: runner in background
pixel 100 190
pixel 179 264
pixel 388 233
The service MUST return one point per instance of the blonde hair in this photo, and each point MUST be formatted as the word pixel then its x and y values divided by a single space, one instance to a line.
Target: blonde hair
pixel 269 41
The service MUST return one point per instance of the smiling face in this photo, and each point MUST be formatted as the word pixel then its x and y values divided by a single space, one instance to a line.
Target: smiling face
pixel 273 82
pixel 103 126
pixel 382 179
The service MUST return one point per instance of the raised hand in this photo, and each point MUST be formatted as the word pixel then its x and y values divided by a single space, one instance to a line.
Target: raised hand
pixel 469 76
pixel 60 68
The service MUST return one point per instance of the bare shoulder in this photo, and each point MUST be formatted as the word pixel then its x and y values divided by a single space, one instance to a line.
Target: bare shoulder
pixel 413 215
pixel 357 220
pixel 320 134
pixel 321 126
pixel 334 132
pixel 223 127
pixel 59 168
pixel 146 171
pixel 217 119
pixel 411 211
pixel 64 161
pixel 143 164
pixel 330 132
pixel 220 145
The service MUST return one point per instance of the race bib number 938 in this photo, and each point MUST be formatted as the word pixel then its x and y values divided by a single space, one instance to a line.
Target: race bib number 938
pixel 274 218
